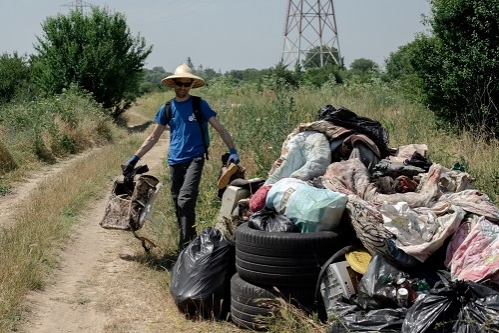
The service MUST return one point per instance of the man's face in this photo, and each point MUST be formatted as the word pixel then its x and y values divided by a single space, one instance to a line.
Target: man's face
pixel 182 87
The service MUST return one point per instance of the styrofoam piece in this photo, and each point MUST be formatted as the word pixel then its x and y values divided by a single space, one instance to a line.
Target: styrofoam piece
pixel 336 283
pixel 230 198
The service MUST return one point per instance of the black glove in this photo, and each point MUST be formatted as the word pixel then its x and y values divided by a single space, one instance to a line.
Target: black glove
pixel 128 166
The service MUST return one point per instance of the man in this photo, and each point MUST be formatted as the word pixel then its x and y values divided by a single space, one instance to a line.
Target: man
pixel 187 146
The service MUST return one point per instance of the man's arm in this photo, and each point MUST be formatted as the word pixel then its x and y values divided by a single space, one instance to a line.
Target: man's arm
pixel 151 140
pixel 227 139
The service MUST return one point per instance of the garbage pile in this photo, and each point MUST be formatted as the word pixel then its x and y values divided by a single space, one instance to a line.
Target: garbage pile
pixel 373 238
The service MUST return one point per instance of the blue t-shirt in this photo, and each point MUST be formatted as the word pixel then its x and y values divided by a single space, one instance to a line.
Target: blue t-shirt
pixel 186 141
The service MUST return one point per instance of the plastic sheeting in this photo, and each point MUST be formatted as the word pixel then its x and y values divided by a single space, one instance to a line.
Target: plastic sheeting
pixel 419 231
pixel 306 155
pixel 477 258
pixel 310 208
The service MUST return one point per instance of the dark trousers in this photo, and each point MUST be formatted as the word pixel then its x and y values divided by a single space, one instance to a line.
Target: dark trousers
pixel 185 179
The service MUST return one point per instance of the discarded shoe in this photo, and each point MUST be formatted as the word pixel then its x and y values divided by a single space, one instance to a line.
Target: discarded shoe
pixel 227 173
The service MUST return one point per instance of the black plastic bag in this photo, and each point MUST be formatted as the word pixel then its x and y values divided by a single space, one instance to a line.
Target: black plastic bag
pixel 200 278
pixel 455 306
pixel 379 285
pixel 352 319
pixel 377 288
pixel 350 120
pixel 268 220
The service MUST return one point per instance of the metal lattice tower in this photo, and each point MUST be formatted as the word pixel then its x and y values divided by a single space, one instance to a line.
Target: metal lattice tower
pixel 310 27
pixel 78 5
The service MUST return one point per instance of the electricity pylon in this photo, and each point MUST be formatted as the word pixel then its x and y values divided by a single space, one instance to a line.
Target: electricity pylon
pixel 78 5
pixel 310 30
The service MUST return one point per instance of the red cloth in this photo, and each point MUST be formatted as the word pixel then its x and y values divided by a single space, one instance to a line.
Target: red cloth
pixel 257 201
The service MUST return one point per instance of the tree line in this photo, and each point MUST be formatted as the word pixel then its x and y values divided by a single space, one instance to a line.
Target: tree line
pixel 453 68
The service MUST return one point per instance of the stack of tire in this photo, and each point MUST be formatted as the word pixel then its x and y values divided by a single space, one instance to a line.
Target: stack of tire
pixel 272 265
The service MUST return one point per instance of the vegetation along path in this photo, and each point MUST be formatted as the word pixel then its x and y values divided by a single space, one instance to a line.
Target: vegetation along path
pixel 96 289
pixel 103 282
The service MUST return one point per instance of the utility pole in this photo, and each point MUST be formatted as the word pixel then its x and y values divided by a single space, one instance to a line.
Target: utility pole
pixel 78 5
pixel 310 29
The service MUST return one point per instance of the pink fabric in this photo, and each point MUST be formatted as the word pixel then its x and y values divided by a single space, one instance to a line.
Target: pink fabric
pixel 257 201
pixel 474 201
pixel 458 238
pixel 477 258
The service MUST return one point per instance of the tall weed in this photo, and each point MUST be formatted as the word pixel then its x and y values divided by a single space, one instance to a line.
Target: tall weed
pixel 259 118
pixel 39 132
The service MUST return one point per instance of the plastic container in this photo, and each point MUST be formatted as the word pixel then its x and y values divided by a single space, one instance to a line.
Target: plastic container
pixel 339 281
pixel 230 198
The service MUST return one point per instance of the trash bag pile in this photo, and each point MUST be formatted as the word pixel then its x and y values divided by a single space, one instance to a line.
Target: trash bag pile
pixel 431 236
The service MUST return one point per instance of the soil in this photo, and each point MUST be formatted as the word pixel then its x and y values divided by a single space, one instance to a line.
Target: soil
pixel 100 284
pixel 95 288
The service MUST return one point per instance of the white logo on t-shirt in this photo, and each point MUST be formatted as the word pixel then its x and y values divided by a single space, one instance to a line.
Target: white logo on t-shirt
pixel 192 117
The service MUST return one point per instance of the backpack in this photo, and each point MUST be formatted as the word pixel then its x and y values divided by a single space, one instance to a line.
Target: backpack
pixel 196 105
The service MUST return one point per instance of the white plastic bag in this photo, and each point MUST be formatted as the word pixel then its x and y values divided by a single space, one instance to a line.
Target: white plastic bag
pixel 311 209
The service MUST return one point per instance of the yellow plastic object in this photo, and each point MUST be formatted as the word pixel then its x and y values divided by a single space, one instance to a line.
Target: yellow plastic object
pixel 359 260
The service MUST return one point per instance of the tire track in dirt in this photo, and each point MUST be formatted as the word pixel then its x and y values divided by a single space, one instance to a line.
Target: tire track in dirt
pixel 21 191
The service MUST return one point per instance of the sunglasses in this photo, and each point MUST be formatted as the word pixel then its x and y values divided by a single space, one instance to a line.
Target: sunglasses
pixel 182 84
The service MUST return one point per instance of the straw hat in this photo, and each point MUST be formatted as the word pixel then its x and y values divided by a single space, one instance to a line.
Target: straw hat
pixel 183 72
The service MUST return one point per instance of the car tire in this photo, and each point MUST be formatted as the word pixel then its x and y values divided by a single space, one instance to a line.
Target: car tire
pixel 285 259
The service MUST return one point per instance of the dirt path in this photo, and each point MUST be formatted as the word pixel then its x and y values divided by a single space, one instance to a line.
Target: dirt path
pixel 20 193
pixel 97 288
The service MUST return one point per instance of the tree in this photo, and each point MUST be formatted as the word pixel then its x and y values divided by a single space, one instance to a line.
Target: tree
pixel 398 65
pixel 318 76
pixel 209 73
pixel 280 74
pixel 152 79
pixel 329 56
pixel 459 64
pixel 399 71
pixel 249 74
pixel 15 76
pixel 97 52
pixel 363 65
pixel 363 70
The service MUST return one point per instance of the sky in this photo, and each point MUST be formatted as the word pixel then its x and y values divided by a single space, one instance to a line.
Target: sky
pixel 228 35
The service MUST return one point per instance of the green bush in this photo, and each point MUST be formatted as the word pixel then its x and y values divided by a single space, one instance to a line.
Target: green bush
pixel 54 127
pixel 459 64
pixel 15 76
pixel 95 51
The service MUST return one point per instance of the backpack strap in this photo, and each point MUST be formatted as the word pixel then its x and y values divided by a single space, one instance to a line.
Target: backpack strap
pixel 196 105
pixel 168 111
